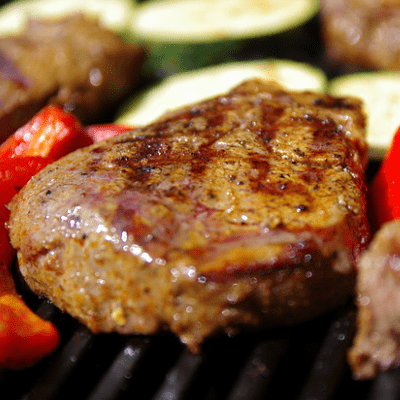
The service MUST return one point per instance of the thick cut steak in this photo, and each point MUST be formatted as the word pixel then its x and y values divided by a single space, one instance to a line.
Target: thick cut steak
pixel 247 209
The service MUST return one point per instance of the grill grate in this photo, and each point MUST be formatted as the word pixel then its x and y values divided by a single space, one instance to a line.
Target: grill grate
pixel 305 362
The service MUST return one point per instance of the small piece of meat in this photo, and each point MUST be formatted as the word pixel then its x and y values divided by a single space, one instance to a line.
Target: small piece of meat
pixel 245 210
pixel 362 33
pixel 74 62
pixel 376 345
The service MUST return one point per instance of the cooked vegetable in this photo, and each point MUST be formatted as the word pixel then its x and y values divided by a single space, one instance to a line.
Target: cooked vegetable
pixel 24 337
pixel 105 131
pixel 384 190
pixel 7 253
pixel 189 87
pixel 182 35
pixel 52 133
pixel 14 173
pixel 114 14
pixel 182 21
pixel 380 92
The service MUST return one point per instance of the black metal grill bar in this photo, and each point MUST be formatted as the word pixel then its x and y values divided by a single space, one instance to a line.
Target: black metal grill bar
pixel 114 367
pixel 329 365
pixel 46 310
pixel 180 377
pixel 386 386
pixel 258 370
pixel 58 373
pixel 118 375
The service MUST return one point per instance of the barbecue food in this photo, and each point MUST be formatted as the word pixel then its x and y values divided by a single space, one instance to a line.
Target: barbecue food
pixel 243 210
pixel 183 35
pixel 362 33
pixel 376 345
pixel 74 62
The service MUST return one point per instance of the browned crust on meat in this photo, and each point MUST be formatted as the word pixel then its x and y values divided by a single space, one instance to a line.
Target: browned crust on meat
pixel 362 33
pixel 376 346
pixel 244 210
pixel 73 61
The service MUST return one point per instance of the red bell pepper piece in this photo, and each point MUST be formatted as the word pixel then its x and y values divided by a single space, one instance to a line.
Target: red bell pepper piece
pixel 7 254
pixel 384 190
pixel 16 172
pixel 52 133
pixel 24 337
pixel 105 131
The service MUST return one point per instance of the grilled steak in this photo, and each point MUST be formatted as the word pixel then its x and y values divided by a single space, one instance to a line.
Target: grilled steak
pixel 74 62
pixel 247 209
pixel 362 33
pixel 377 342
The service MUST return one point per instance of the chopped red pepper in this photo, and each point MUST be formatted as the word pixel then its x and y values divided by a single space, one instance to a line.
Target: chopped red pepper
pixel 105 131
pixel 7 254
pixel 24 337
pixel 384 190
pixel 16 172
pixel 50 133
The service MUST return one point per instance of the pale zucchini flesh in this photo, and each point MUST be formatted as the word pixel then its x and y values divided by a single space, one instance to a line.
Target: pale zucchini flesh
pixel 380 92
pixel 183 35
pixel 114 14
pixel 189 87
pixel 194 21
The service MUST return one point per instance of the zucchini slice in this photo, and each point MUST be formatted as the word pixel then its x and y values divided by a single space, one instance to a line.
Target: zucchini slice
pixel 380 91
pixel 114 14
pixel 193 86
pixel 177 21
pixel 190 34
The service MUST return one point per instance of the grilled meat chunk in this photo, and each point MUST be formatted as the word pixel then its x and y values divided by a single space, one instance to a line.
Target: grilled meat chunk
pixel 376 345
pixel 362 33
pixel 247 209
pixel 73 62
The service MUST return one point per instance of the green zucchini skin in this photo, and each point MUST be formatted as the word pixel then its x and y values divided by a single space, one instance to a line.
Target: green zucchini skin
pixel 196 21
pixel 170 53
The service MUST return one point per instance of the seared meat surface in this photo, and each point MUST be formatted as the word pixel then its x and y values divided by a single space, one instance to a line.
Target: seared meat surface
pixel 362 33
pixel 377 342
pixel 73 62
pixel 247 209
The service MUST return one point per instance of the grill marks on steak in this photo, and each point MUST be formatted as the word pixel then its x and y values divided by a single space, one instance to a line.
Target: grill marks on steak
pixel 205 130
pixel 231 212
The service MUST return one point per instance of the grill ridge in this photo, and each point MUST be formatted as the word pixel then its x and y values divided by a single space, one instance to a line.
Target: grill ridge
pixel 121 370
pixel 331 359
pixel 306 362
